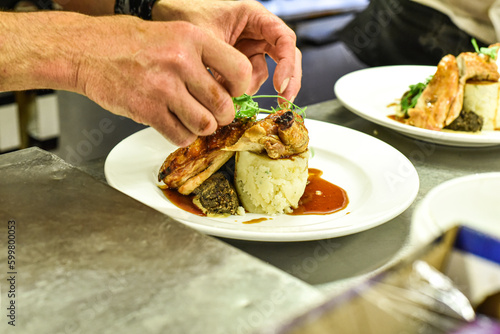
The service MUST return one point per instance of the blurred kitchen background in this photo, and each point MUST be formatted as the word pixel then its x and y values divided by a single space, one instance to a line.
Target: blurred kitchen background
pixel 79 131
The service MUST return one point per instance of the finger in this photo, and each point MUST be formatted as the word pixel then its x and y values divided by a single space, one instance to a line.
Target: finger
pixel 282 48
pixel 170 127
pixel 229 63
pixel 260 73
pixel 210 94
pixel 193 115
pixel 256 53
pixel 176 133
pixel 295 82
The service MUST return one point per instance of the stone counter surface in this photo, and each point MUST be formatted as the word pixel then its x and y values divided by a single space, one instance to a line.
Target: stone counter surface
pixel 89 259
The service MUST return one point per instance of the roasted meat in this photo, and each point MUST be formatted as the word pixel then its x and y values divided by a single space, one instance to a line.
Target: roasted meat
pixel 217 196
pixel 188 167
pixel 281 135
pixel 437 99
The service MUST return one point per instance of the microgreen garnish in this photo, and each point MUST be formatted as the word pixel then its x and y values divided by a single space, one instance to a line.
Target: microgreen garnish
pixel 491 52
pixel 246 107
pixel 409 99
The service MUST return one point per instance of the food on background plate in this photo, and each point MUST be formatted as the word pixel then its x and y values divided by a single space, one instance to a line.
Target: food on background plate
pixel 462 95
pixel 281 139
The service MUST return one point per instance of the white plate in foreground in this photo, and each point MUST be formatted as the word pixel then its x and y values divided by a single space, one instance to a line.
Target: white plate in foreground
pixel 380 183
pixel 369 92
pixel 468 200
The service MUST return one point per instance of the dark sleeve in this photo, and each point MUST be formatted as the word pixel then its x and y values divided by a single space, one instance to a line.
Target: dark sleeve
pixel 7 4
pixel 402 32
pixel 140 8
pixel 10 4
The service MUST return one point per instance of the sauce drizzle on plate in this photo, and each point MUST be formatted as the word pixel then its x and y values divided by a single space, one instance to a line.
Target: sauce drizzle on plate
pixel 320 198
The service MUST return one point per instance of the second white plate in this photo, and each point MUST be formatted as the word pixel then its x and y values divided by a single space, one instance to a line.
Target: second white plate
pixel 369 92
pixel 470 200
pixel 380 183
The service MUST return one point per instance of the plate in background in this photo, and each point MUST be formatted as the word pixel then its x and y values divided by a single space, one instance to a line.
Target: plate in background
pixel 471 200
pixel 369 92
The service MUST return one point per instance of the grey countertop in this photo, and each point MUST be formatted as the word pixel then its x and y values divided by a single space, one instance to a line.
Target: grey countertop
pixel 90 259
pixel 332 265
pixel 84 258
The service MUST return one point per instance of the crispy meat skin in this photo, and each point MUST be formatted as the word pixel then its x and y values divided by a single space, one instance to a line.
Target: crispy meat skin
pixel 442 100
pixel 280 135
pixel 205 153
pixel 433 106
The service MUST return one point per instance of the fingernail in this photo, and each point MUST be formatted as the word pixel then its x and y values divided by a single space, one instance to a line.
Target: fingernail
pixel 292 99
pixel 284 85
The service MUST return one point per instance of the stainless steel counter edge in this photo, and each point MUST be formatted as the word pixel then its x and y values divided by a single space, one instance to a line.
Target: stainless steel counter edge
pixel 89 259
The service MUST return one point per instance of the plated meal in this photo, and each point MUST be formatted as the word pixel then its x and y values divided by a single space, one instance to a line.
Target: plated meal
pixel 462 95
pixel 251 165
pixel 380 183
pixel 382 89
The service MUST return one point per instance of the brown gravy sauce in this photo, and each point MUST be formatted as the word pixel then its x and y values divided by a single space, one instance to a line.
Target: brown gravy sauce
pixel 255 221
pixel 397 119
pixel 320 198
pixel 184 202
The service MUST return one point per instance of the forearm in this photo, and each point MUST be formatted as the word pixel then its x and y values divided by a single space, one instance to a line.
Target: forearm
pixel 35 51
pixel 47 49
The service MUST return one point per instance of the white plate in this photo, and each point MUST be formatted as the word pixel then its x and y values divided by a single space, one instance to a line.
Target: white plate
pixel 469 200
pixel 380 183
pixel 368 93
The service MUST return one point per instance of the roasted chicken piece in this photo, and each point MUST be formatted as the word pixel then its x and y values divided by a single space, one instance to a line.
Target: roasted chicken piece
pixel 434 104
pixel 188 167
pixel 442 100
pixel 281 135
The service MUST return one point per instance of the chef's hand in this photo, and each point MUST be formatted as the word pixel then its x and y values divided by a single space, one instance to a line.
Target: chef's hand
pixel 152 72
pixel 156 73
pixel 250 28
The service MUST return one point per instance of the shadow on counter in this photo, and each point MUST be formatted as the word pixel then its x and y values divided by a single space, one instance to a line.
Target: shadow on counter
pixel 327 261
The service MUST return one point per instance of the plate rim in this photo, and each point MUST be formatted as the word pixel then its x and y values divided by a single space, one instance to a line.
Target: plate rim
pixel 421 217
pixel 483 139
pixel 297 235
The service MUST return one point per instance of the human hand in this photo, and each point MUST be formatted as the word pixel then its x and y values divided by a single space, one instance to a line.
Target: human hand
pixel 252 30
pixel 155 73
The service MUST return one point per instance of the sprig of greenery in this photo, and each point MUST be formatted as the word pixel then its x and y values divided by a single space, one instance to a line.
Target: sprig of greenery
pixel 410 98
pixel 491 52
pixel 246 107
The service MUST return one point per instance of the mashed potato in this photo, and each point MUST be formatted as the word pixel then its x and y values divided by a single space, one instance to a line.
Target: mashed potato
pixel 483 98
pixel 270 186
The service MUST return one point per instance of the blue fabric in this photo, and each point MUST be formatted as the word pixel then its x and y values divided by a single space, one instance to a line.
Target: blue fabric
pixel 478 243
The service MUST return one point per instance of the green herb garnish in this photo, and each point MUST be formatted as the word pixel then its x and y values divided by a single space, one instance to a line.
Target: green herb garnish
pixel 246 107
pixel 410 98
pixel 491 52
